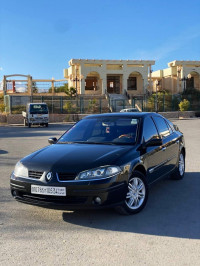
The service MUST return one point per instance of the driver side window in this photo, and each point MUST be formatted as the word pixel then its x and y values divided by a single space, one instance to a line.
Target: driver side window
pixel 149 130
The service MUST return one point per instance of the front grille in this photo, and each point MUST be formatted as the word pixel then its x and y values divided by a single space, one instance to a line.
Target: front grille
pixel 66 176
pixel 52 199
pixel 34 174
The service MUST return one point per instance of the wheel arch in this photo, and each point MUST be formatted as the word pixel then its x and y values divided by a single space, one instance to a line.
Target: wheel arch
pixel 140 168
pixel 183 150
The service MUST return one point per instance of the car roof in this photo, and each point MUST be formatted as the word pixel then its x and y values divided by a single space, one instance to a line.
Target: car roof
pixel 125 114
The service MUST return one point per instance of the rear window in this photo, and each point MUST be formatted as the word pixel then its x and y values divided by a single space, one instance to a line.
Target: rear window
pixel 162 126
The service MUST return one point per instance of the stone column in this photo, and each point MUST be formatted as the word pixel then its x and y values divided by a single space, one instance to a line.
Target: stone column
pixel 30 91
pixel 52 86
pixel 177 85
pixel 82 86
pixel 104 84
pixel 124 84
pixel 4 85
pixel 145 85
pixel 172 84
pixel 150 80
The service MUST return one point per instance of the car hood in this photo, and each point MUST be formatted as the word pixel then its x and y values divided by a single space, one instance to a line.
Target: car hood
pixel 74 157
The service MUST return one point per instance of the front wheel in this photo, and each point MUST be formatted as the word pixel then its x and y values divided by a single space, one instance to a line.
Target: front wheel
pixel 136 196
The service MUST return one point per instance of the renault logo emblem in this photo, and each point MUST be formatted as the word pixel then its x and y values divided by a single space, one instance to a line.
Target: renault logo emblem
pixel 49 176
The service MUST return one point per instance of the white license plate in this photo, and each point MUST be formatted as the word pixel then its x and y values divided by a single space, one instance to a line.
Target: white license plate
pixel 44 190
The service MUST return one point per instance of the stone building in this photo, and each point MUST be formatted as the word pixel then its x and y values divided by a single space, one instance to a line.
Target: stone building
pixel 179 76
pixel 111 76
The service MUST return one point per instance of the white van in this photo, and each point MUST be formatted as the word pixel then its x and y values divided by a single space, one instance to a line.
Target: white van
pixel 36 114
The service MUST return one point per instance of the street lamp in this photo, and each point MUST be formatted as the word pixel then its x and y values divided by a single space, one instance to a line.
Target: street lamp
pixel 157 95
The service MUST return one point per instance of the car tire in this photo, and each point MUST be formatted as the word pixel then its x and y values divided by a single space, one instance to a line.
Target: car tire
pixel 136 196
pixel 29 124
pixel 47 124
pixel 179 172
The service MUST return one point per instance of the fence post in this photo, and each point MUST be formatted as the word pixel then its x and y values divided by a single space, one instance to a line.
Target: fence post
pixel 100 107
pixel 163 102
pixel 61 104
pixel 52 105
pixel 172 102
pixel 10 104
pixel 133 102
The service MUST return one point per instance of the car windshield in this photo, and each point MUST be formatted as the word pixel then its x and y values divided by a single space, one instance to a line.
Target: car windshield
pixel 103 130
pixel 38 109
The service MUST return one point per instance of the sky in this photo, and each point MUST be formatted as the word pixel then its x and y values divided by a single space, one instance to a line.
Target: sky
pixel 39 37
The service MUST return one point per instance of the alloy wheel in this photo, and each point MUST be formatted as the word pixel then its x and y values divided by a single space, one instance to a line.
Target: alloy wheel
pixel 181 164
pixel 136 193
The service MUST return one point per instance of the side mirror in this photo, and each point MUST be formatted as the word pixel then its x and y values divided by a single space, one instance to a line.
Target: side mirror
pixel 52 140
pixel 154 142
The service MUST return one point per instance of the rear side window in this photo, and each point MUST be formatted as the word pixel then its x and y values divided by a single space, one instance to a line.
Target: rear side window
pixel 162 126
pixel 149 130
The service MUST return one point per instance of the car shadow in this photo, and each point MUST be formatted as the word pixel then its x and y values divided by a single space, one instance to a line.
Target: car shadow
pixel 173 210
pixel 19 131
pixel 3 152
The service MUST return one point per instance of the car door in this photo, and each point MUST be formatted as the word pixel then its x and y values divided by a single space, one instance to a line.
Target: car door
pixel 153 156
pixel 170 144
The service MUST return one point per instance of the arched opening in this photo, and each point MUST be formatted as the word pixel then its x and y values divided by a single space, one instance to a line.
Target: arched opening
pixel 192 81
pixel 135 83
pixel 92 83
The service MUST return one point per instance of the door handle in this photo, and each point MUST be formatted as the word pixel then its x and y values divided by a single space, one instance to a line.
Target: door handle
pixel 164 148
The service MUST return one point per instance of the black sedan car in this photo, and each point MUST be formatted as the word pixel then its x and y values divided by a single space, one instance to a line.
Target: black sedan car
pixel 106 160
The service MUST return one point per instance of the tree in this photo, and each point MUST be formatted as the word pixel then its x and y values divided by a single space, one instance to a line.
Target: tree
pixel 34 87
pixel 63 88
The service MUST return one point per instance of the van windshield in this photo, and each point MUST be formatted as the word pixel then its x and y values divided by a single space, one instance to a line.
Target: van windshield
pixel 38 109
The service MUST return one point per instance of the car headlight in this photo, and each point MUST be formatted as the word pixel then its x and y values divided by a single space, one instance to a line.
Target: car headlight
pixel 101 172
pixel 20 170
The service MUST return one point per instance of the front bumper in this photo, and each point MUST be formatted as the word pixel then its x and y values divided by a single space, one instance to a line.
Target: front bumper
pixel 79 194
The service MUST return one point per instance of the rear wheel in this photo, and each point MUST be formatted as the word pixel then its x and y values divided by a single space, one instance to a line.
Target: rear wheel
pixel 180 169
pixel 136 196
pixel 47 124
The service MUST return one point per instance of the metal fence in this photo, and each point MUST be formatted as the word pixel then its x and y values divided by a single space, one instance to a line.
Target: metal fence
pixel 56 104
pixel 153 103
pixel 80 105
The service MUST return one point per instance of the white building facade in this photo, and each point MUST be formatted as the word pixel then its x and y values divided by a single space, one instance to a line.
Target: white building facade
pixel 109 76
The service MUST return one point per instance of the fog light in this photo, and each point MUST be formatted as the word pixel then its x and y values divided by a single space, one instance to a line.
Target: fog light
pixel 14 193
pixel 97 200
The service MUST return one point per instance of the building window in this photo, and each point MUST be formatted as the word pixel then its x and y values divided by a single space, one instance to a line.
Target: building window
pixel 111 84
pixel 132 83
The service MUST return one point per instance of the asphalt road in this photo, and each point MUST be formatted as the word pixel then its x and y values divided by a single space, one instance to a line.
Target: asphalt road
pixel 166 232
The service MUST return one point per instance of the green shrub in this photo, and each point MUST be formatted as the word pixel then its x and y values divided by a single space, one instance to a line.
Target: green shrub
pixel 2 107
pixel 184 105
pixel 18 109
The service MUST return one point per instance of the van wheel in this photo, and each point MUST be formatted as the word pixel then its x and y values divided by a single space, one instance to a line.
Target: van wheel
pixel 47 124
pixel 136 196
